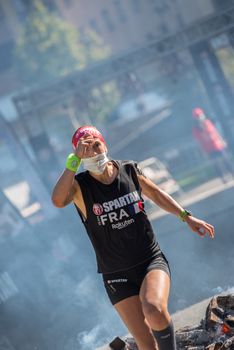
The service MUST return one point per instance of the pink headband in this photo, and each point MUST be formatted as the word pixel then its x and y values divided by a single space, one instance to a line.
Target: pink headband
pixel 86 129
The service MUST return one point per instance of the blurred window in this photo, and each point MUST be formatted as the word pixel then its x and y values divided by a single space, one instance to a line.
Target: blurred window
pixel 7 159
pixel 49 4
pixel 94 25
pixel 164 28
pixel 2 14
pixel 136 5
pixel 81 30
pixel 82 34
pixel 120 11
pixel 6 55
pixel 161 8
pixel 150 36
pixel 21 7
pixel 107 20
pixel 221 4
pixel 68 3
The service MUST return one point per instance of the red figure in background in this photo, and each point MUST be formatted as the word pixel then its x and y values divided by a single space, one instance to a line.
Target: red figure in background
pixel 212 143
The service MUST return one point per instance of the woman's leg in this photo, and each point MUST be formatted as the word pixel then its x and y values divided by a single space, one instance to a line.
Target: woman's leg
pixel 154 295
pixel 130 311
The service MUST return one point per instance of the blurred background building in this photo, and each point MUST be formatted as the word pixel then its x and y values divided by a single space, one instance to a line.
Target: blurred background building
pixel 122 25
pixel 136 69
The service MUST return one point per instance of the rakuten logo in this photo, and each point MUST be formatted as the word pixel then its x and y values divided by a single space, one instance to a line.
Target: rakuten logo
pixel 123 224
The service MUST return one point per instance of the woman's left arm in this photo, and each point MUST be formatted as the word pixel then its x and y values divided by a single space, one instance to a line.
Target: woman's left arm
pixel 166 202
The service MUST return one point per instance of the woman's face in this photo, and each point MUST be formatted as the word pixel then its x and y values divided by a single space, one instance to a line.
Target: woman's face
pixel 95 146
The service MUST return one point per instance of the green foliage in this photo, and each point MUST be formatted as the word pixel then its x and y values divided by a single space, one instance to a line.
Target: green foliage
pixel 49 47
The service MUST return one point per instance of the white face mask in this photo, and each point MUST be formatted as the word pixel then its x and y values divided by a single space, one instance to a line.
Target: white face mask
pixel 96 164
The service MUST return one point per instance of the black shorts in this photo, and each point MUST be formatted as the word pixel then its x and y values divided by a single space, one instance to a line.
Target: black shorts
pixel 124 284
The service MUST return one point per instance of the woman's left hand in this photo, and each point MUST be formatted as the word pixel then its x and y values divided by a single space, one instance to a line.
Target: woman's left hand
pixel 201 227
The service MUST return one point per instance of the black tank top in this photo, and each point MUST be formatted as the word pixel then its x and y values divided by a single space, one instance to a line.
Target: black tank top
pixel 116 223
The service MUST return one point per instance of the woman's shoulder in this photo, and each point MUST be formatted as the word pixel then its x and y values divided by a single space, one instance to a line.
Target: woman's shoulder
pixel 127 165
pixel 124 162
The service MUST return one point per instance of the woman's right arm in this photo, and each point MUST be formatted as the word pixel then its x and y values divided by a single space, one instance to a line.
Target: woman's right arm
pixel 65 189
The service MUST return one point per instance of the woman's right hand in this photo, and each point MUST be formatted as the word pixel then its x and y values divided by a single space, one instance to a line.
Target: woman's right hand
pixel 84 147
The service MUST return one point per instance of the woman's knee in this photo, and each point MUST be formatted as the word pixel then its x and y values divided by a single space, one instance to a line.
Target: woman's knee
pixel 155 309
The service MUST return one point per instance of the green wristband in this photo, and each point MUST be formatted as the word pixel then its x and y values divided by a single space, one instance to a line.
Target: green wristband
pixel 184 214
pixel 73 162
